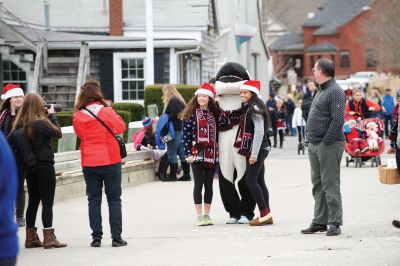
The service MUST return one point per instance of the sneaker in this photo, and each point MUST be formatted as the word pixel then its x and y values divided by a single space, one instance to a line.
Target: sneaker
pixel 200 221
pixel 21 221
pixel 207 220
pixel 232 220
pixel 119 242
pixel 96 243
pixel 243 220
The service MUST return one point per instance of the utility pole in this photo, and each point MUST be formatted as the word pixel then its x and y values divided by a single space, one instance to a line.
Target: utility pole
pixel 149 43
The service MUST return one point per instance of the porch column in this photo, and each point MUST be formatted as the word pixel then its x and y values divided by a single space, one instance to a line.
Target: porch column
pixel 173 67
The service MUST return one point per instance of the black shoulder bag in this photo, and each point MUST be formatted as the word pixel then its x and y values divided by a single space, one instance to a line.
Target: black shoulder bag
pixel 122 147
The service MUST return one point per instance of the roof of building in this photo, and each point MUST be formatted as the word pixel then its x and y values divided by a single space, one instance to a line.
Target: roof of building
pixel 322 47
pixel 289 41
pixel 291 13
pixel 335 13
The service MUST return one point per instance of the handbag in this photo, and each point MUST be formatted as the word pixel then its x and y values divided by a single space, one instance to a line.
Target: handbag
pixel 121 144
pixel 165 135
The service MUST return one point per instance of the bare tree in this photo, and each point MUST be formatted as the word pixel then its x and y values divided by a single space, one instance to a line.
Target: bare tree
pixel 381 33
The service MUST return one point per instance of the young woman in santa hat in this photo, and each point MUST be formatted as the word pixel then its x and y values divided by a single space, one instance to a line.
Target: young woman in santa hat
pixel 253 142
pixel 13 97
pixel 40 126
pixel 199 141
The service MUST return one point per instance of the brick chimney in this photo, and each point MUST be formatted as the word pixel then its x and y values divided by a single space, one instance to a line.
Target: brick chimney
pixel 116 18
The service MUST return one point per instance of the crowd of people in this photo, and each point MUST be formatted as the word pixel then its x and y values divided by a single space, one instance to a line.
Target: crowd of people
pixel 191 133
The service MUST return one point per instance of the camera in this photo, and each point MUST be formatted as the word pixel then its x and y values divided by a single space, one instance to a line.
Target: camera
pixel 57 107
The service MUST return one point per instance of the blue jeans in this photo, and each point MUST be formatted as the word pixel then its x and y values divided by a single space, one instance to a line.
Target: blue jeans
pixel 110 176
pixel 174 148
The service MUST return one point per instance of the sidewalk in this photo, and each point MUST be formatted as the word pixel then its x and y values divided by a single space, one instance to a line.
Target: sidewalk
pixel 159 224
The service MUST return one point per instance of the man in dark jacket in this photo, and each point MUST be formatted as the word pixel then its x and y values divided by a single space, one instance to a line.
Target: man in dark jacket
pixel 307 98
pixel 326 137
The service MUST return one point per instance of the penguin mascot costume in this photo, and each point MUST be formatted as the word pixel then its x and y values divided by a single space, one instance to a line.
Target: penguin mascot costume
pixel 232 164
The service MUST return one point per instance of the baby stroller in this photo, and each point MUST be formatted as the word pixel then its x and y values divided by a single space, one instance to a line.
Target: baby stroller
pixel 365 147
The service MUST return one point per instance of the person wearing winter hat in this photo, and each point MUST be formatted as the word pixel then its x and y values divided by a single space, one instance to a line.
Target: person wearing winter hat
pixel 144 139
pixel 13 97
pixel 253 142
pixel 199 139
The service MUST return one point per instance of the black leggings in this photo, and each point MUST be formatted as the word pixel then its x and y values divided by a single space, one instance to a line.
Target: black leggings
pixel 255 180
pixel 301 132
pixel 281 136
pixel 202 176
pixel 41 187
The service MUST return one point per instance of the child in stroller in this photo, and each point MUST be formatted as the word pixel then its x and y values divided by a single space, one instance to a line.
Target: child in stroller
pixel 363 140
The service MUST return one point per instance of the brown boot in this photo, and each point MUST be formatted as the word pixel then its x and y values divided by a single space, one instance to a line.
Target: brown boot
pixel 50 240
pixel 32 239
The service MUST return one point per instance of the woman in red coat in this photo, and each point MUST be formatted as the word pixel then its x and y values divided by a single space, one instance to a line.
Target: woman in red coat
pixel 101 160
pixel 360 106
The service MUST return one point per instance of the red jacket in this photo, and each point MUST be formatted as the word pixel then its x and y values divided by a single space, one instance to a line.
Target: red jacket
pixel 98 147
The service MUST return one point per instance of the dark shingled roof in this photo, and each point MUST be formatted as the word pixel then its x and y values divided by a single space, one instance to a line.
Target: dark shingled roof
pixel 289 41
pixel 322 47
pixel 336 13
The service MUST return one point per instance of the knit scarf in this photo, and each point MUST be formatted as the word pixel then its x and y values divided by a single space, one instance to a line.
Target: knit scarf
pixel 3 122
pixel 205 150
pixel 244 137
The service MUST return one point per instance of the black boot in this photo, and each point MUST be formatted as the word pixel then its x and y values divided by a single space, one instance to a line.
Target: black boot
pixel 186 172
pixel 173 167
pixel 162 168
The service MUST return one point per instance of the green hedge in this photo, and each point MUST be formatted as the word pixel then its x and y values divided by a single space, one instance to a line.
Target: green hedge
pixel 153 94
pixel 136 110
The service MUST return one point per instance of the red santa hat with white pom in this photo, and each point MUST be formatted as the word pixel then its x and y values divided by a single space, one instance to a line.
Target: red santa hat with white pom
pixel 11 90
pixel 206 89
pixel 251 85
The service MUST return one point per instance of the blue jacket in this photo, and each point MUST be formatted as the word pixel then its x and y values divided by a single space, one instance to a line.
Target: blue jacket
pixel 8 193
pixel 163 122
pixel 388 104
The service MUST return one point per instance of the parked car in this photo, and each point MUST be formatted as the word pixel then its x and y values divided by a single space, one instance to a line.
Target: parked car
pixel 344 84
pixel 363 78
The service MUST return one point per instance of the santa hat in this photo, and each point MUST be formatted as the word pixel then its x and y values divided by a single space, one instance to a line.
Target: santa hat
pixel 371 124
pixel 147 122
pixel 251 85
pixel 11 90
pixel 206 89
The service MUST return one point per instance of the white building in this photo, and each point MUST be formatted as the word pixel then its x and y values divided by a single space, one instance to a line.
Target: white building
pixel 106 40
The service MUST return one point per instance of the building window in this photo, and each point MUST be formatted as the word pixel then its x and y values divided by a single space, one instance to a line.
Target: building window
pixel 371 58
pixel 129 77
pixel 345 59
pixel 13 74
pixel 312 61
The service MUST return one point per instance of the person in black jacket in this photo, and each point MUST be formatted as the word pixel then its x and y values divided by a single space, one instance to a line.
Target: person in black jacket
pixel 40 126
pixel 173 105
pixel 278 118
pixel 13 97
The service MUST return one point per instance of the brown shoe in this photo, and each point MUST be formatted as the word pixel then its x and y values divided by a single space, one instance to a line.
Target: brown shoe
pixel 50 240
pixel 267 219
pixel 254 222
pixel 32 239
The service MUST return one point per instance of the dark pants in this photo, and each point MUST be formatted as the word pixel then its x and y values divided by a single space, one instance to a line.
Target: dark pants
pixel 20 201
pixel 281 136
pixel 41 188
pixel 325 177
pixel 388 120
pixel 255 180
pixel 289 128
pixel 398 159
pixel 110 176
pixel 202 176
pixel 301 133
pixel 8 262
pixel 233 204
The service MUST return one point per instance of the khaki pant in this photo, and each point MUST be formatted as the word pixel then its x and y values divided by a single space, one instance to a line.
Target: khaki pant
pixel 325 177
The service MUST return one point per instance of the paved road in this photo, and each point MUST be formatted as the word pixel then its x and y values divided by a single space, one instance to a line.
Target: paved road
pixel 159 224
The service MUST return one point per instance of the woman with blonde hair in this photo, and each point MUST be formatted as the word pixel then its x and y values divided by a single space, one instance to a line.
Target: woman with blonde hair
pixel 173 105
pixel 40 126
pixel 100 158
